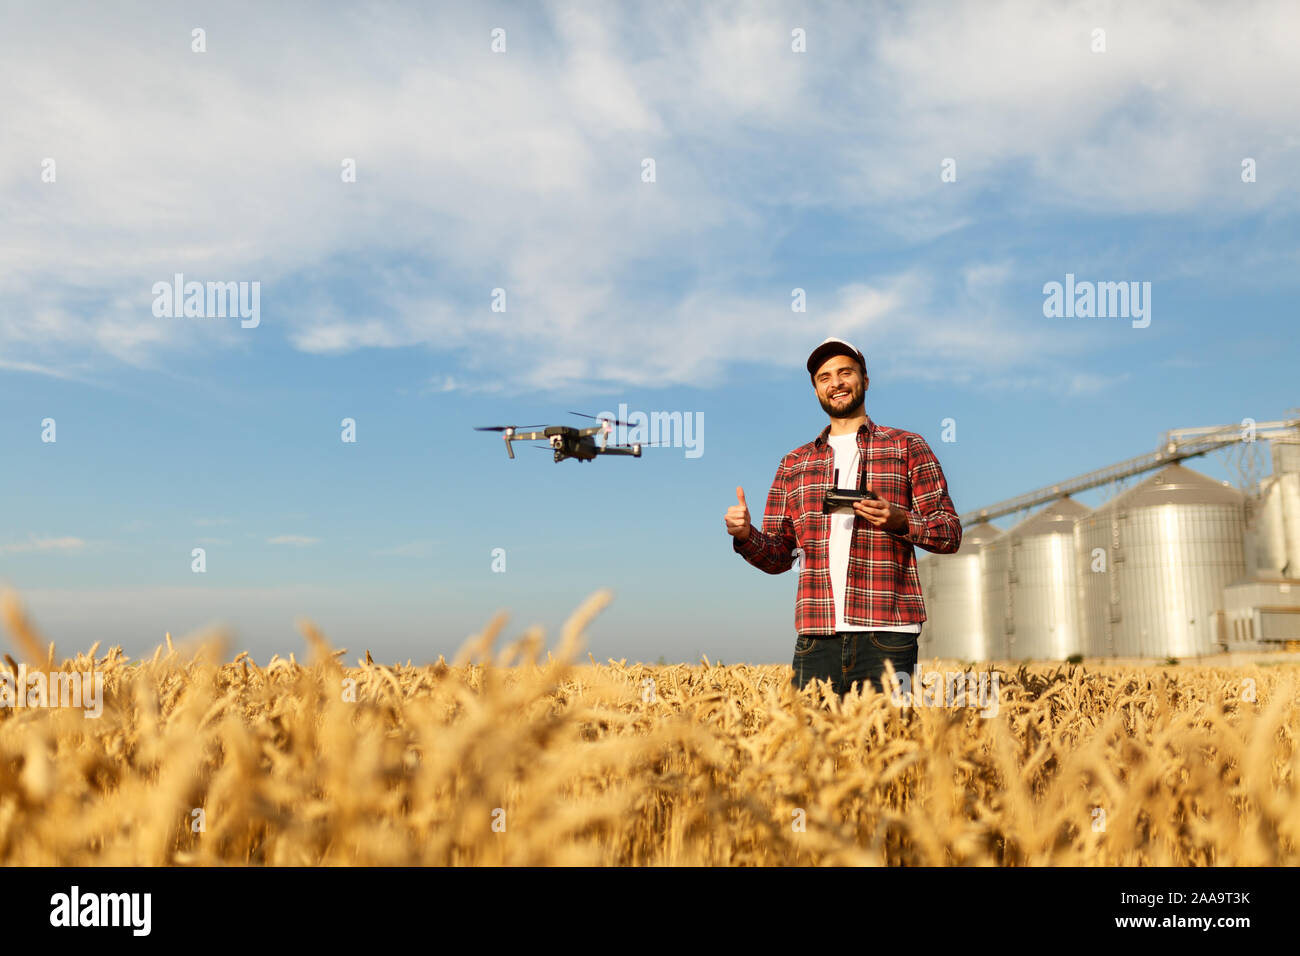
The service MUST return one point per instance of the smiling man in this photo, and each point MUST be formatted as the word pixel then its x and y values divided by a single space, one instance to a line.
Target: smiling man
pixel 859 600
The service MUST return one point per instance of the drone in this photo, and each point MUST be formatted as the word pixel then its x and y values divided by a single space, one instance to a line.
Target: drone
pixel 566 441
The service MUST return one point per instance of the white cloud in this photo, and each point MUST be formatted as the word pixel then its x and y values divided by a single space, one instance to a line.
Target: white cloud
pixel 33 544
pixel 297 540
pixel 522 171
pixel 38 369
pixel 447 383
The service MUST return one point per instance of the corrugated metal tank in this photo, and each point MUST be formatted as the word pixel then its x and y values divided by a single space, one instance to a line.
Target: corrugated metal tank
pixel 1031 586
pixel 993 599
pixel 1288 489
pixel 1285 454
pixel 1266 545
pixel 1273 532
pixel 952 586
pixel 1171 545
pixel 1286 484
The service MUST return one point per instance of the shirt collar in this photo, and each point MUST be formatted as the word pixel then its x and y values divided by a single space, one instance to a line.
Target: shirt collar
pixel 870 426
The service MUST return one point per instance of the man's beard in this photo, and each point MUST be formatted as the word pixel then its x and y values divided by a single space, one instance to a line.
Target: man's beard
pixel 850 408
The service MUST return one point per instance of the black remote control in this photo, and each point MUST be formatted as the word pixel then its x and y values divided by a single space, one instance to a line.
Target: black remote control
pixel 845 497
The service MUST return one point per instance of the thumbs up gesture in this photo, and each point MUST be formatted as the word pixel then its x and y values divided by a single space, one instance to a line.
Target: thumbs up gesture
pixel 738 517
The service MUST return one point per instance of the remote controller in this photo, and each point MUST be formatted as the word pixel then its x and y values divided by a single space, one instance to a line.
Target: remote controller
pixel 845 497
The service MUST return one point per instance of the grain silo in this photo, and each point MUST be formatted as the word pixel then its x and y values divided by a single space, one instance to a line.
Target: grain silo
pixel 993 597
pixel 1283 493
pixel 1153 563
pixel 1286 477
pixel 1031 599
pixel 1266 539
pixel 1262 610
pixel 1273 536
pixel 952 587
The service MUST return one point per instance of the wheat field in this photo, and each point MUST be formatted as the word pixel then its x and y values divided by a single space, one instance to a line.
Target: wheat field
pixel 533 757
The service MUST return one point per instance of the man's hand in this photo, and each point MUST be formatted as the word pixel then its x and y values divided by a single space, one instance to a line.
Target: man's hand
pixel 738 517
pixel 881 514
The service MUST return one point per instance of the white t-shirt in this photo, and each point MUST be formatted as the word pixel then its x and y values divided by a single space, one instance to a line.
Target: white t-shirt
pixel 846 461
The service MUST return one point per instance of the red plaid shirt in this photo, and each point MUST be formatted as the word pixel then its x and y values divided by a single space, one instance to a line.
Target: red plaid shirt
pixel 882 586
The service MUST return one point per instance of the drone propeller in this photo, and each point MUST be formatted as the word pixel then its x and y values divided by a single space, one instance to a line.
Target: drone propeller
pixel 613 421
pixel 502 428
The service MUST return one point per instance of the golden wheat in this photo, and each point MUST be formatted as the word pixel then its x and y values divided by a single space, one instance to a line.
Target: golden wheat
pixel 524 760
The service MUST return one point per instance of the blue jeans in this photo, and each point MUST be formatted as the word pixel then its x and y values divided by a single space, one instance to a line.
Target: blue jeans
pixel 853 657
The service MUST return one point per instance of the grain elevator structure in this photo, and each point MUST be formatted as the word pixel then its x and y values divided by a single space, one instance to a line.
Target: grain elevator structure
pixel 1179 565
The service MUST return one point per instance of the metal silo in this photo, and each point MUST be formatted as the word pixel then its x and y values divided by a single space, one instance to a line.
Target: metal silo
pixel 1170 545
pixel 954 601
pixel 994 568
pixel 1098 590
pixel 1266 544
pixel 1285 454
pixel 1285 491
pixel 1273 520
pixel 1288 490
pixel 1031 589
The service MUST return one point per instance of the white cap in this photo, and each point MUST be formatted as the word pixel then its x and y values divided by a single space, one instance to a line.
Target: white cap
pixel 834 346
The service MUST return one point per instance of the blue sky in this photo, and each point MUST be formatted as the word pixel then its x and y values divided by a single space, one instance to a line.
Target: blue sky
pixel 522 170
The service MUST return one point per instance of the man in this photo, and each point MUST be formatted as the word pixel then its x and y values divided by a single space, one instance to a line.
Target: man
pixel 859 600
